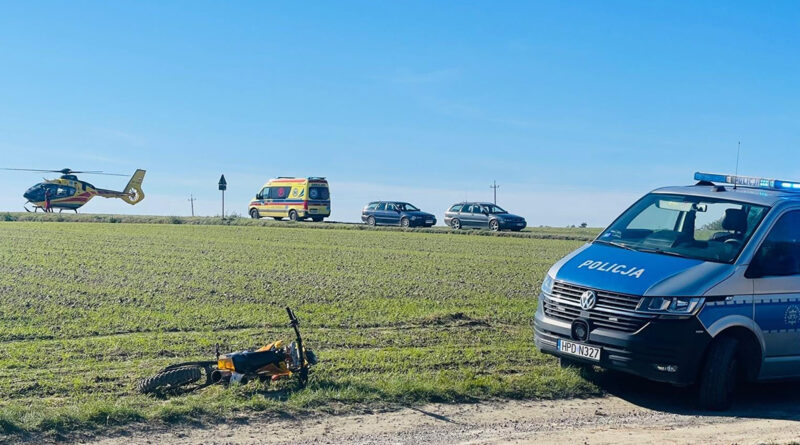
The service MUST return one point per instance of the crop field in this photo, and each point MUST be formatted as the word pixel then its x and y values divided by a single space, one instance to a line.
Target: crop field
pixel 396 317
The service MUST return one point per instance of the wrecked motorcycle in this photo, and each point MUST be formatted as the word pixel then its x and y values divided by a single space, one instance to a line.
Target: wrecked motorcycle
pixel 272 362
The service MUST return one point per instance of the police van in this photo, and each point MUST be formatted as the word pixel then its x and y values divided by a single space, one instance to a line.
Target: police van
pixel 690 285
pixel 293 198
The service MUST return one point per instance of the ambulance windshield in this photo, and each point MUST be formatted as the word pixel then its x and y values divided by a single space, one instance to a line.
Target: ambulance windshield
pixel 689 226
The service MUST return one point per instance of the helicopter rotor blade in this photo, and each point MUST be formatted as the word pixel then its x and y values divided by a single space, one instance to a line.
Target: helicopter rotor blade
pixel 65 171
pixel 31 170
pixel 99 173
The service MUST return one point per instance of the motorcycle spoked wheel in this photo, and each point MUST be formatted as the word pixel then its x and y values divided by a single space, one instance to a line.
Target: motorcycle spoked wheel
pixel 172 378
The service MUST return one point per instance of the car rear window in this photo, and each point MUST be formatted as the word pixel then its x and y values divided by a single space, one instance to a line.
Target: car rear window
pixel 317 192
pixel 456 208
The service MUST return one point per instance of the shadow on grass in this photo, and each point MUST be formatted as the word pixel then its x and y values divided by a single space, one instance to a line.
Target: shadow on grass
pixel 776 400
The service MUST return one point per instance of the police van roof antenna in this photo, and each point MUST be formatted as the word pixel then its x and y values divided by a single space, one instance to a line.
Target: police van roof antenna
pixel 736 173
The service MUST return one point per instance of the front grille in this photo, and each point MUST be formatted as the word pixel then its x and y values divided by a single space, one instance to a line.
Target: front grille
pixel 612 311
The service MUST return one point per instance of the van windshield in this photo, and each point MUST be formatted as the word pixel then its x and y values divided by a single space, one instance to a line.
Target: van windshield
pixel 688 226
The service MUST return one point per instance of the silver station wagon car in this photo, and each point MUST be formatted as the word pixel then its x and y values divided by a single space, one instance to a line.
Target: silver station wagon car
pixel 482 215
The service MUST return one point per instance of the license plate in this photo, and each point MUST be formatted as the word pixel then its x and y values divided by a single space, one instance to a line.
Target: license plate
pixel 580 350
pixel 428 221
pixel 313 210
pixel 519 224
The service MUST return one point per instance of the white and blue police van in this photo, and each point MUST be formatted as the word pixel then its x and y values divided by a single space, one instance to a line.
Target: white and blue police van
pixel 690 285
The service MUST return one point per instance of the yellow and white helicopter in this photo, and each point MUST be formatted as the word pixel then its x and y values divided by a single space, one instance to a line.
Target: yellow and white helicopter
pixel 70 193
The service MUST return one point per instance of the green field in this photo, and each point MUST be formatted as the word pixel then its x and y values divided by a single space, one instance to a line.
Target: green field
pixel 396 318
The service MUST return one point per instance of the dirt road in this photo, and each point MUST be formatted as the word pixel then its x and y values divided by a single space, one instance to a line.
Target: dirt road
pixel 634 412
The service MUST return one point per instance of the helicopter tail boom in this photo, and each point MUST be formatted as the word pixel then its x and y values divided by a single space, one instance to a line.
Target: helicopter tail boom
pixel 132 193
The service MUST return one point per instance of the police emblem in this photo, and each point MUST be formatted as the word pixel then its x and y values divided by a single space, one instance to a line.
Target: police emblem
pixel 792 315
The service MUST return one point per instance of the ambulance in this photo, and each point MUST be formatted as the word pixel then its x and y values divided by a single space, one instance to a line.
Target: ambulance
pixel 293 198
pixel 692 285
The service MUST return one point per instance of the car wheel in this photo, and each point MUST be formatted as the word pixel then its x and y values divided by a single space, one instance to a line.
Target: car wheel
pixel 371 221
pixel 293 215
pixel 494 225
pixel 254 213
pixel 455 224
pixel 404 222
pixel 718 377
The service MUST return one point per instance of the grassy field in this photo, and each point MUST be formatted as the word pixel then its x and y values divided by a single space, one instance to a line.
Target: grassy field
pixel 396 318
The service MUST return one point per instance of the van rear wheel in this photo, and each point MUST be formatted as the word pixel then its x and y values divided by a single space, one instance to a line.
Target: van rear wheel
pixel 293 215
pixel 718 377
pixel 455 224
pixel 254 213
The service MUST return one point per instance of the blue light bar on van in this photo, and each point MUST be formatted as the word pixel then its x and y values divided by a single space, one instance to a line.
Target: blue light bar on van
pixel 748 181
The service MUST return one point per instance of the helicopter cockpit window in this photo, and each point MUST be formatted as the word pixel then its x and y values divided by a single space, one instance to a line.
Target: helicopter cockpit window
pixel 35 193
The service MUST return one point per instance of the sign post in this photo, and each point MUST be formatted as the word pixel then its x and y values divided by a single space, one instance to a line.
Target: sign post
pixel 222 186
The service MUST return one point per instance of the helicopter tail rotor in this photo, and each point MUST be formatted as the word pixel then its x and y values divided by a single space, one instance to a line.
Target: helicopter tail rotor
pixel 133 191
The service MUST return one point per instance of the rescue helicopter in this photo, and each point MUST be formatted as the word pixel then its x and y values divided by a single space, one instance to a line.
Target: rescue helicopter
pixel 70 193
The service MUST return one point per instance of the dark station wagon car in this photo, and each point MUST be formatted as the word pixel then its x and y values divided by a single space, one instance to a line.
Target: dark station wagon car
pixel 396 213
pixel 482 215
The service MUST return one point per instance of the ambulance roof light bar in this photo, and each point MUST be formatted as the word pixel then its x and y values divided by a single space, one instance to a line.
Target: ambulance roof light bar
pixel 748 181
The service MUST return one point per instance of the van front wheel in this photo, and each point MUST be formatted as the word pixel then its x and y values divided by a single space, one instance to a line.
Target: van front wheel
pixel 292 215
pixel 718 378
pixel 254 214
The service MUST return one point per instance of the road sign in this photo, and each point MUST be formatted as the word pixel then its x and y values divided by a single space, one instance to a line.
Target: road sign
pixel 223 185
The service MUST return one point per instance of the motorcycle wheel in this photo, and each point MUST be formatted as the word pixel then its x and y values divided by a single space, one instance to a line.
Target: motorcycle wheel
pixel 172 378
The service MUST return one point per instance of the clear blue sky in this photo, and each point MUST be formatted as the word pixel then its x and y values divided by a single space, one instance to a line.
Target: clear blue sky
pixel 575 108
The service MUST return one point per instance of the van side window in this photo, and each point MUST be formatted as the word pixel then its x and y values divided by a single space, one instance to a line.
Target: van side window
pixel 468 209
pixel 779 254
pixel 381 207
pixel 390 206
pixel 372 206
pixel 279 192
pixel 456 208
pixel 264 193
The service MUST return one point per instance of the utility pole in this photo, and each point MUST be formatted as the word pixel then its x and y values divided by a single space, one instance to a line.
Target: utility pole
pixel 223 184
pixel 494 186
pixel 192 199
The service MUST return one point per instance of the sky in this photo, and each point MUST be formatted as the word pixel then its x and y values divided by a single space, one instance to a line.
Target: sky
pixel 574 108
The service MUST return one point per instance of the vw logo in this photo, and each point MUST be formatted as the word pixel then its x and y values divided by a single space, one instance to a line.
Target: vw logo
pixel 588 300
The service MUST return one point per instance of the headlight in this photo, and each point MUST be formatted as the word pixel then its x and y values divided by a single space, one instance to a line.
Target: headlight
pixel 669 305
pixel 547 284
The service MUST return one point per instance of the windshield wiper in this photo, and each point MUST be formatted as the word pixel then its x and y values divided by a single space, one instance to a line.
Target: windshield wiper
pixel 615 244
pixel 663 252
